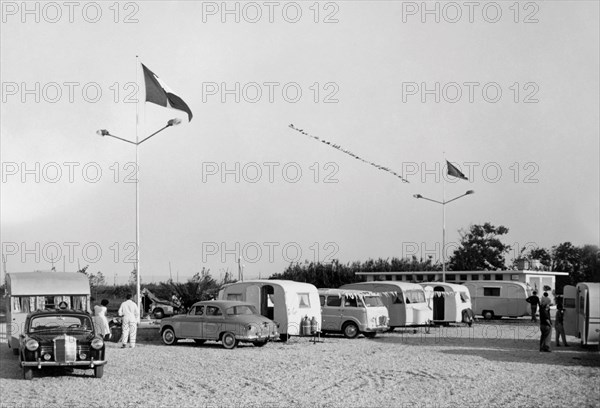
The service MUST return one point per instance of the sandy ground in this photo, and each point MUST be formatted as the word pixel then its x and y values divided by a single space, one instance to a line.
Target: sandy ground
pixel 489 365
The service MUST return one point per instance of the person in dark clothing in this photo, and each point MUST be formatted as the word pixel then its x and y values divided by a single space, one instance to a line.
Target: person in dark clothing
pixel 534 301
pixel 545 328
pixel 560 328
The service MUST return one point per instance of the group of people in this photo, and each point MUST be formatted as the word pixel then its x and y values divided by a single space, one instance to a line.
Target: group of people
pixel 546 321
pixel 130 316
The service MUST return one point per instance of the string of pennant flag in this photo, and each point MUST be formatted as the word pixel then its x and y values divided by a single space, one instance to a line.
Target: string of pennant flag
pixel 349 153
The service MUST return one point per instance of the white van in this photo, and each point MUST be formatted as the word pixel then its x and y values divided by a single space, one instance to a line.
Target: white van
pixel 283 301
pixel 582 311
pixel 405 301
pixel 451 303
pixel 494 299
pixel 352 312
pixel 27 292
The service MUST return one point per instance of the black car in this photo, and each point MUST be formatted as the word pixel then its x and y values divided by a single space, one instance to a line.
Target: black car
pixel 61 338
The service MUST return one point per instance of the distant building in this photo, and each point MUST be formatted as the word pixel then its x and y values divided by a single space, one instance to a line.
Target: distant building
pixel 537 279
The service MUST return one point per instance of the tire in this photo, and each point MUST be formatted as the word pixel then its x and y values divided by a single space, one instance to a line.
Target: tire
pixel 488 315
pixel 200 341
pixel 158 313
pixel 284 337
pixel 370 335
pixel 350 330
pixel 168 336
pixel 27 373
pixel 229 341
pixel 99 371
pixel 260 343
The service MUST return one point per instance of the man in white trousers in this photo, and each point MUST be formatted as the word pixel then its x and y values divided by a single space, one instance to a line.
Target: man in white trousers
pixel 130 316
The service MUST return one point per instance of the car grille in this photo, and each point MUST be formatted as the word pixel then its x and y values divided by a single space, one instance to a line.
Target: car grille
pixel 65 349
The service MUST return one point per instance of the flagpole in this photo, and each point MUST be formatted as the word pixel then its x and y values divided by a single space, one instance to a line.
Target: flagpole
pixel 443 222
pixel 137 191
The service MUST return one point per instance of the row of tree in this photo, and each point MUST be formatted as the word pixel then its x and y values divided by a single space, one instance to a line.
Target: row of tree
pixel 480 249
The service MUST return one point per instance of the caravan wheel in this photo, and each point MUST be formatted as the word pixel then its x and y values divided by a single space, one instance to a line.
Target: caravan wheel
pixel 488 315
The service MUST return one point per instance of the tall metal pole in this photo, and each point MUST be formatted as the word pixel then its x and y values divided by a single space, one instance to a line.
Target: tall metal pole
pixel 443 221
pixel 137 196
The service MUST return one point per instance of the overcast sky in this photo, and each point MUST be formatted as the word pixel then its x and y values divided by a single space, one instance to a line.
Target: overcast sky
pixel 507 93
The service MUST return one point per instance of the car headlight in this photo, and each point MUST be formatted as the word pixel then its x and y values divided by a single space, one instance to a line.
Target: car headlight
pixel 97 343
pixel 32 345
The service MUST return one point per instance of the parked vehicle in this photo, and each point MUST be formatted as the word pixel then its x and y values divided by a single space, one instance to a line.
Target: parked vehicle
pixel 27 292
pixel 582 311
pixel 160 308
pixel 229 322
pixel 61 338
pixel 494 299
pixel 451 303
pixel 352 312
pixel 286 302
pixel 405 301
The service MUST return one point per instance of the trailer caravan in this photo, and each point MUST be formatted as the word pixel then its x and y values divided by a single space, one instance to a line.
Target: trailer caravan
pixel 27 292
pixel 283 301
pixel 582 312
pixel 451 303
pixel 494 299
pixel 405 301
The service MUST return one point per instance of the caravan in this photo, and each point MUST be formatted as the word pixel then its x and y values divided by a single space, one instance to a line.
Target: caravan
pixel 405 301
pixel 283 301
pixel 494 299
pixel 30 291
pixel 451 303
pixel 582 312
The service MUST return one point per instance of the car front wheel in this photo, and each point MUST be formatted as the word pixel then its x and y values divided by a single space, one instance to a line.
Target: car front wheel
pixel 27 373
pixel 229 341
pixel 168 337
pixel 98 371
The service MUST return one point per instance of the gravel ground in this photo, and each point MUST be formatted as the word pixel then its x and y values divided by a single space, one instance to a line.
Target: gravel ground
pixel 489 365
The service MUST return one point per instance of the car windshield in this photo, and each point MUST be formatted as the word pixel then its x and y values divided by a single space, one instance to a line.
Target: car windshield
pixel 241 310
pixel 60 323
pixel 373 301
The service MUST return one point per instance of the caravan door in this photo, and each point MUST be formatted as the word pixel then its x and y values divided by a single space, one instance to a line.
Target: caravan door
pixel 571 315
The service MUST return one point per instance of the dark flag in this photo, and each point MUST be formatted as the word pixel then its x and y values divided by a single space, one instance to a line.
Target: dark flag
pixel 454 172
pixel 159 93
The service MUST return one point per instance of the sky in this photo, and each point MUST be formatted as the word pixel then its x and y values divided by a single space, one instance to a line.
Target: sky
pixel 506 91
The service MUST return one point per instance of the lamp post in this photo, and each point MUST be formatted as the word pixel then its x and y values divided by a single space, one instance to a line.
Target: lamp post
pixel 103 133
pixel 443 203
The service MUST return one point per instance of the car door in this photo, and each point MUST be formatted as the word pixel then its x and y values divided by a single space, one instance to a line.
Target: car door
pixel 191 324
pixel 331 313
pixel 212 323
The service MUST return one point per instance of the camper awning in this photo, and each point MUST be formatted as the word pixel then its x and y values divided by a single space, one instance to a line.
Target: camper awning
pixel 48 283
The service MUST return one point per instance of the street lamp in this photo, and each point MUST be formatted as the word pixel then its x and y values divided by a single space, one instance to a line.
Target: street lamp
pixel 443 203
pixel 104 132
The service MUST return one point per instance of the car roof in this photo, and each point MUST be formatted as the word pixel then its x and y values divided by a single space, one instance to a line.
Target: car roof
pixel 222 303
pixel 58 311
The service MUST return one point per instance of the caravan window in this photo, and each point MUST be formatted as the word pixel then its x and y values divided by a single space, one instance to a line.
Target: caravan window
pixel 491 291
pixel 304 300
pixel 234 296
pixel 415 296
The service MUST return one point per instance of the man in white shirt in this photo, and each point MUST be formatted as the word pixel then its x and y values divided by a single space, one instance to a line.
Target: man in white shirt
pixel 130 316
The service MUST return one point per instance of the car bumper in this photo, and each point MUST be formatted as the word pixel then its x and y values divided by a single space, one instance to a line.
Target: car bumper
pixel 258 337
pixel 40 363
pixel 378 329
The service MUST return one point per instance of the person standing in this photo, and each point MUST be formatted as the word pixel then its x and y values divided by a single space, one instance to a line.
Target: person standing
pixel 100 320
pixel 130 316
pixel 545 328
pixel 560 328
pixel 534 301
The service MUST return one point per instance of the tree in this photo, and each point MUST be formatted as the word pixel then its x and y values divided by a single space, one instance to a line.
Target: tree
pixel 201 286
pixel 480 249
pixel 97 279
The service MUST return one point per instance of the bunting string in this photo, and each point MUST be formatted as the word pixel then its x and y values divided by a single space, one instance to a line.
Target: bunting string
pixel 349 153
